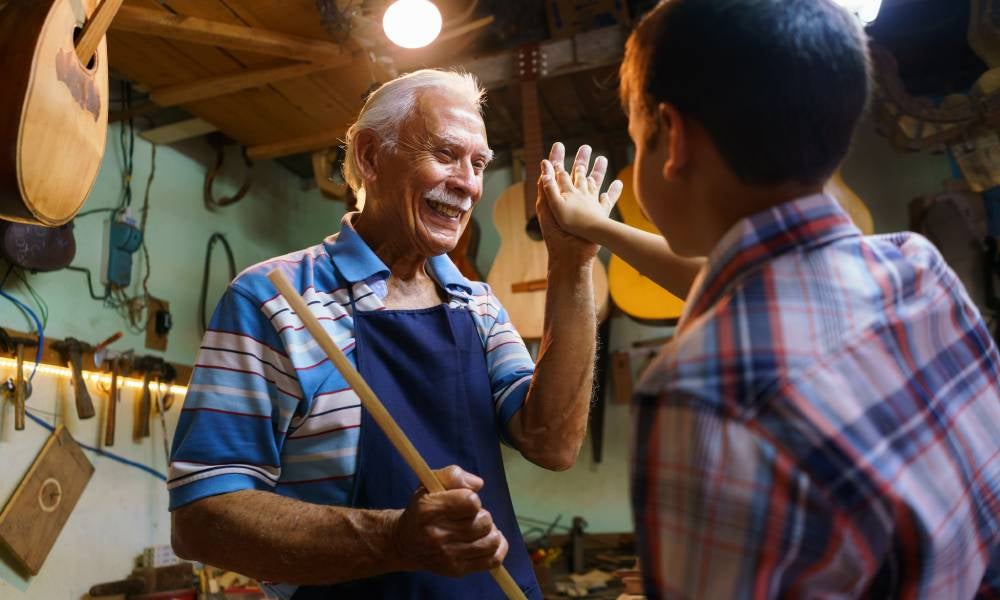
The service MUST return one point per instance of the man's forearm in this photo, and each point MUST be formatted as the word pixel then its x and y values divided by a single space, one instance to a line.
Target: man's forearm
pixel 267 536
pixel 554 417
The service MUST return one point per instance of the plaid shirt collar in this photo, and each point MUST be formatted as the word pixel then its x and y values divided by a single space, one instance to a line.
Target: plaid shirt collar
pixel 796 225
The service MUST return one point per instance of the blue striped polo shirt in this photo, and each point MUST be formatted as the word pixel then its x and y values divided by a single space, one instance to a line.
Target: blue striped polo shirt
pixel 266 410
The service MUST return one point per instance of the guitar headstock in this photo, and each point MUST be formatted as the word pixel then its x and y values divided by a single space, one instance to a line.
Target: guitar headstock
pixel 530 62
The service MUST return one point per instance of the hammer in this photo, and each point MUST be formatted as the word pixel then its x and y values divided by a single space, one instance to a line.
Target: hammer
pixel 21 386
pixel 72 351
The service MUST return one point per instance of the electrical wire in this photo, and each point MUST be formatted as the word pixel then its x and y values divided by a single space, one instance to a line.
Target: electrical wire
pixel 38 328
pixel 100 451
pixel 43 306
pixel 215 237
pixel 90 284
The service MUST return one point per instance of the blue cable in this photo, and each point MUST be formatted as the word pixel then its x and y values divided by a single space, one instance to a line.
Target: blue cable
pixel 38 359
pixel 101 452
pixel 38 328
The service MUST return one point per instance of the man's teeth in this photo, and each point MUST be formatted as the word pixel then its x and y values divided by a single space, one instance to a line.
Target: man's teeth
pixel 444 209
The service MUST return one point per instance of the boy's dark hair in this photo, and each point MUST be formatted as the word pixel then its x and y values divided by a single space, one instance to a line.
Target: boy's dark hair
pixel 779 85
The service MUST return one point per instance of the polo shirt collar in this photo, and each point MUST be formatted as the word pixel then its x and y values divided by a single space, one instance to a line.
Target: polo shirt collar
pixel 355 260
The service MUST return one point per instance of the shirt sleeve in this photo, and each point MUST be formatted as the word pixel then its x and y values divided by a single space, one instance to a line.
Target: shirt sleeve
pixel 509 363
pixel 242 396
pixel 721 513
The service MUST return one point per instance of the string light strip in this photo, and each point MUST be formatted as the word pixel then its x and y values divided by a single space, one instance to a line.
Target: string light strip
pixel 91 376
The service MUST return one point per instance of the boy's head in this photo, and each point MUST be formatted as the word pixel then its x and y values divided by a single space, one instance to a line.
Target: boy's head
pixel 772 89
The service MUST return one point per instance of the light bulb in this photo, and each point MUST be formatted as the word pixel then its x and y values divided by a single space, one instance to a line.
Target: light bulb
pixel 412 23
pixel 866 10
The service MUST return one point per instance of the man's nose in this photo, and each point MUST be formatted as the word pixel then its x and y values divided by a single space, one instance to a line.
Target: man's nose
pixel 465 179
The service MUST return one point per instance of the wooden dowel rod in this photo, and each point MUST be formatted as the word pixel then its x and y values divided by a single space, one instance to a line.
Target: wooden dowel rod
pixel 375 407
pixel 95 28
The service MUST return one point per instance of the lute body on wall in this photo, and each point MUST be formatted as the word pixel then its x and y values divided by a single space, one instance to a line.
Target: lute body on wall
pixel 54 107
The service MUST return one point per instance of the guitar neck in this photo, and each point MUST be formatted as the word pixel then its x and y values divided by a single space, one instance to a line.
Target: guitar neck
pixel 532 128
pixel 95 28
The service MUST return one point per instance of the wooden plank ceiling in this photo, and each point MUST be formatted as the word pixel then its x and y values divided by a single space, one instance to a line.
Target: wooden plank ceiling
pixel 316 103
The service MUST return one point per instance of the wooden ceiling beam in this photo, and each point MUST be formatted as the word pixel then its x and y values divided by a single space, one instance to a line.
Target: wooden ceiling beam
pixel 309 143
pixel 583 52
pixel 176 132
pixel 212 87
pixel 214 33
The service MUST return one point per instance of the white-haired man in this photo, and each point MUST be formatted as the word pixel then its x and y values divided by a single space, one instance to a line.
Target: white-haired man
pixel 279 474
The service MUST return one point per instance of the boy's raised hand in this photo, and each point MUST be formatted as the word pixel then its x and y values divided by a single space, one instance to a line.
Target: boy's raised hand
pixel 575 198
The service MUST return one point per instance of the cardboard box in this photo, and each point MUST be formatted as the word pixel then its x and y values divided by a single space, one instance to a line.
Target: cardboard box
pixel 569 17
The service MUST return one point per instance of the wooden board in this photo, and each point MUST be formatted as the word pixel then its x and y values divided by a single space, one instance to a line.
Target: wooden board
pixel 154 340
pixel 41 504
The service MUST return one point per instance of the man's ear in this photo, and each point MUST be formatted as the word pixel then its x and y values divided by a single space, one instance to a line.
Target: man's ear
pixel 676 137
pixel 366 146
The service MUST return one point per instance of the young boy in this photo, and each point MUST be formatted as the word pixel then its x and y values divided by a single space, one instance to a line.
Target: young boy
pixel 826 420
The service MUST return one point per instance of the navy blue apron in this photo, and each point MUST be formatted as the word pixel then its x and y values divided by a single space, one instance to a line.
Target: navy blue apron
pixel 428 367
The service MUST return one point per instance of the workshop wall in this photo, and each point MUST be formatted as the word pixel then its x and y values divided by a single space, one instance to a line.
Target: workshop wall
pixel 124 509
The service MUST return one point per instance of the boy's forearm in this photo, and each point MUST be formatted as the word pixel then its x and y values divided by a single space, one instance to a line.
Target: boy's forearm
pixel 648 253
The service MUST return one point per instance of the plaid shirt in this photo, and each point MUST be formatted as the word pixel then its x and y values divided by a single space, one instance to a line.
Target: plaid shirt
pixel 825 424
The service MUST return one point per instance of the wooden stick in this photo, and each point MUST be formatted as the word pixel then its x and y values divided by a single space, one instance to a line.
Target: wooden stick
pixel 377 410
pixel 95 28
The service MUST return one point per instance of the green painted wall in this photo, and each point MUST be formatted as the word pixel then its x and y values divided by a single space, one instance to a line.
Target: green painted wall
pixel 123 509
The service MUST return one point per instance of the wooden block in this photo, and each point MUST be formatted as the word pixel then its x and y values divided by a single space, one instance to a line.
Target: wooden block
pixel 621 375
pixel 154 340
pixel 41 504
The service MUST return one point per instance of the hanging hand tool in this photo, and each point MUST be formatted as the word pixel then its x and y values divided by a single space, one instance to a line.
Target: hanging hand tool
pixel 163 418
pixel 114 365
pixel 142 426
pixel 72 350
pixel 19 390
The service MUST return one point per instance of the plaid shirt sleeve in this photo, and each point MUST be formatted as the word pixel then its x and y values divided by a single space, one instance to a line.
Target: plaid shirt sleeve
pixel 726 514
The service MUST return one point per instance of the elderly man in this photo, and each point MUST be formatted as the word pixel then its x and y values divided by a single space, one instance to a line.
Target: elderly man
pixel 279 474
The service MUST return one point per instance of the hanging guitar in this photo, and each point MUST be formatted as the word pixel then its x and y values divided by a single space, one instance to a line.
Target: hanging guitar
pixel 519 276
pixel 636 295
pixel 54 108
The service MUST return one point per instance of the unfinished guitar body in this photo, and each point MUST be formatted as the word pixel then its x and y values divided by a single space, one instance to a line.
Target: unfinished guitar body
pixel 519 276
pixel 53 111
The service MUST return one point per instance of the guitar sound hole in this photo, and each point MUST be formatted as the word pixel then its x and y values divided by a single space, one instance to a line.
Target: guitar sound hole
pixel 77 32
pixel 533 229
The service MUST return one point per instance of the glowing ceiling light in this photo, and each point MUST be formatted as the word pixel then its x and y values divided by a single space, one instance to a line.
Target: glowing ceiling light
pixel 412 23
pixel 866 10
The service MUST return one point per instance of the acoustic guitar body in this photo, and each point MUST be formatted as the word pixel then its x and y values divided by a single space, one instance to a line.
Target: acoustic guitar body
pixel 464 253
pixel 519 276
pixel 853 205
pixel 53 111
pixel 636 295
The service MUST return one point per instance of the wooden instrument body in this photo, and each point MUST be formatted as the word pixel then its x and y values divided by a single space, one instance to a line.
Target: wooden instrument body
pixel 522 262
pixel 53 112
pixel 636 295
pixel 850 202
pixel 520 272
pixel 464 253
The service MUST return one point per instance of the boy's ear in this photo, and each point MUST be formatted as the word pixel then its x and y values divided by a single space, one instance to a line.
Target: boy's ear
pixel 675 132
pixel 365 149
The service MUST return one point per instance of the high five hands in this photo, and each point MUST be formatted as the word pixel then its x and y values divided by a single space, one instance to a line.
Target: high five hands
pixel 573 198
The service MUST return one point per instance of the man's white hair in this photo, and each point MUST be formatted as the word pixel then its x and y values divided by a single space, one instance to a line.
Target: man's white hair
pixel 388 107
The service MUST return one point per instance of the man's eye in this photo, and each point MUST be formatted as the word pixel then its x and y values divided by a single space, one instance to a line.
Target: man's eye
pixel 479 165
pixel 445 154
